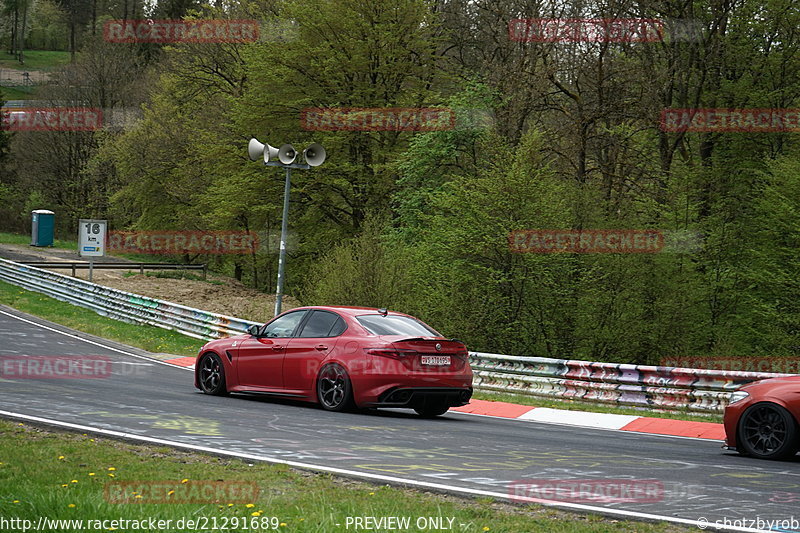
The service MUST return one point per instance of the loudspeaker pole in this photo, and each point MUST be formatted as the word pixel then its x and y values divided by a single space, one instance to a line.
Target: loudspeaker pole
pixel 282 253
pixel 314 155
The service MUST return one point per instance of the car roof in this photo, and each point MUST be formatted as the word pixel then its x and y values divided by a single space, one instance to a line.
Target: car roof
pixel 347 310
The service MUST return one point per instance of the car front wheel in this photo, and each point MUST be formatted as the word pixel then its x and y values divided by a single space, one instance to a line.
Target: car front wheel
pixel 212 375
pixel 768 431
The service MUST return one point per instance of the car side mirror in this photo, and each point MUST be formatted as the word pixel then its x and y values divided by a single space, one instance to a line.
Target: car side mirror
pixel 253 330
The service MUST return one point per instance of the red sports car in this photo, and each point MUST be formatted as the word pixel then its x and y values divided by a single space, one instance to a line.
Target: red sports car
pixel 762 419
pixel 341 357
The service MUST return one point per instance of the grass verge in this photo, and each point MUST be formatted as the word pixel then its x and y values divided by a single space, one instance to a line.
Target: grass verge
pixel 63 476
pixel 36 60
pixel 15 93
pixel 16 238
pixel 148 338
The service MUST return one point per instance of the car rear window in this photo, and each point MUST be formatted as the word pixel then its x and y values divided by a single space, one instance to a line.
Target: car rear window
pixel 395 325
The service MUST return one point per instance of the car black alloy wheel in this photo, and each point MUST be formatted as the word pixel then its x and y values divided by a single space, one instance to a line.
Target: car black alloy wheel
pixel 212 375
pixel 333 388
pixel 768 431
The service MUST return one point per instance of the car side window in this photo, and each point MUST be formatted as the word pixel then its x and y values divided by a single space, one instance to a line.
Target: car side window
pixel 283 326
pixel 322 324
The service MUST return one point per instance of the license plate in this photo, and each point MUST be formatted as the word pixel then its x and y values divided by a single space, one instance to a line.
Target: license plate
pixel 436 360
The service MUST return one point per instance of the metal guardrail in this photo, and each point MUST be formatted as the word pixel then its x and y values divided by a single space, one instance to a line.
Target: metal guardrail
pixel 697 390
pixel 123 305
pixel 705 391
pixel 73 265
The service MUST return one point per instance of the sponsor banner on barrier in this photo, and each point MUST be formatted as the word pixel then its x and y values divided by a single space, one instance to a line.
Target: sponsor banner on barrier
pixel 548 241
pixel 772 365
pixel 377 119
pixel 181 492
pixel 586 30
pixel 52 119
pixel 182 31
pixel 55 367
pixel 183 242
pixel 588 490
pixel 753 120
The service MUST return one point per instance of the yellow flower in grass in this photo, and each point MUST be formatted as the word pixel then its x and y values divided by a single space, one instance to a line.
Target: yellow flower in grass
pixel 250 505
pixel 485 528
pixel 111 469
pixel 257 513
pixel 111 475
pixel 71 506
pixel 60 457
pixel 91 473
pixel 283 524
pixel 184 481
pixel 74 481
pixel 64 485
pixel 230 505
pixel 15 501
pixel 170 493
pixel 138 496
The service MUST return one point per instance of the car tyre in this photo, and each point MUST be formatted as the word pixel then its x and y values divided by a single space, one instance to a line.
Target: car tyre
pixel 334 389
pixel 212 375
pixel 432 408
pixel 768 431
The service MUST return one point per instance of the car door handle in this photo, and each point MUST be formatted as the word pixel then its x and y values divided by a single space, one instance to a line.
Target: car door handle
pixel 277 347
pixel 321 347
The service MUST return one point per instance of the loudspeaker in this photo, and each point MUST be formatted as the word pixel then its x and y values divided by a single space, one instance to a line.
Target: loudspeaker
pixel 315 155
pixel 270 152
pixel 255 150
pixel 287 154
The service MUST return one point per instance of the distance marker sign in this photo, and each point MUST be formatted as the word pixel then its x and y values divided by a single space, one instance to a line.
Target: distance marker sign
pixel 92 238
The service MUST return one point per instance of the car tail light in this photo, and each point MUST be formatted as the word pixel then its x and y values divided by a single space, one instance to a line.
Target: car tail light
pixel 392 353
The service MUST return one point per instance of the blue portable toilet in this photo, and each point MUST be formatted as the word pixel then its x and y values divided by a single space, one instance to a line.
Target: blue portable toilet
pixel 42 227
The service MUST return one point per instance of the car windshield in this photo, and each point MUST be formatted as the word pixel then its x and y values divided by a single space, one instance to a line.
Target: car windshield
pixel 396 325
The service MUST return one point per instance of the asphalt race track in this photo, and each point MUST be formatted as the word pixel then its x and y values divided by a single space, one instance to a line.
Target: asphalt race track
pixel 457 452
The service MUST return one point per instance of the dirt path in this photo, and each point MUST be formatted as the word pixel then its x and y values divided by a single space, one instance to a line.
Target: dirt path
pixel 219 294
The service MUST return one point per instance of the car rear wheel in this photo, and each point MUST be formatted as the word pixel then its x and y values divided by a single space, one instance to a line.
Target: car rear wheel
pixel 768 431
pixel 432 408
pixel 212 375
pixel 334 391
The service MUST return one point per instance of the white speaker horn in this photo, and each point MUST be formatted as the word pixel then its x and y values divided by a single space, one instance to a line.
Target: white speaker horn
pixel 255 150
pixel 315 155
pixel 287 154
pixel 270 152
